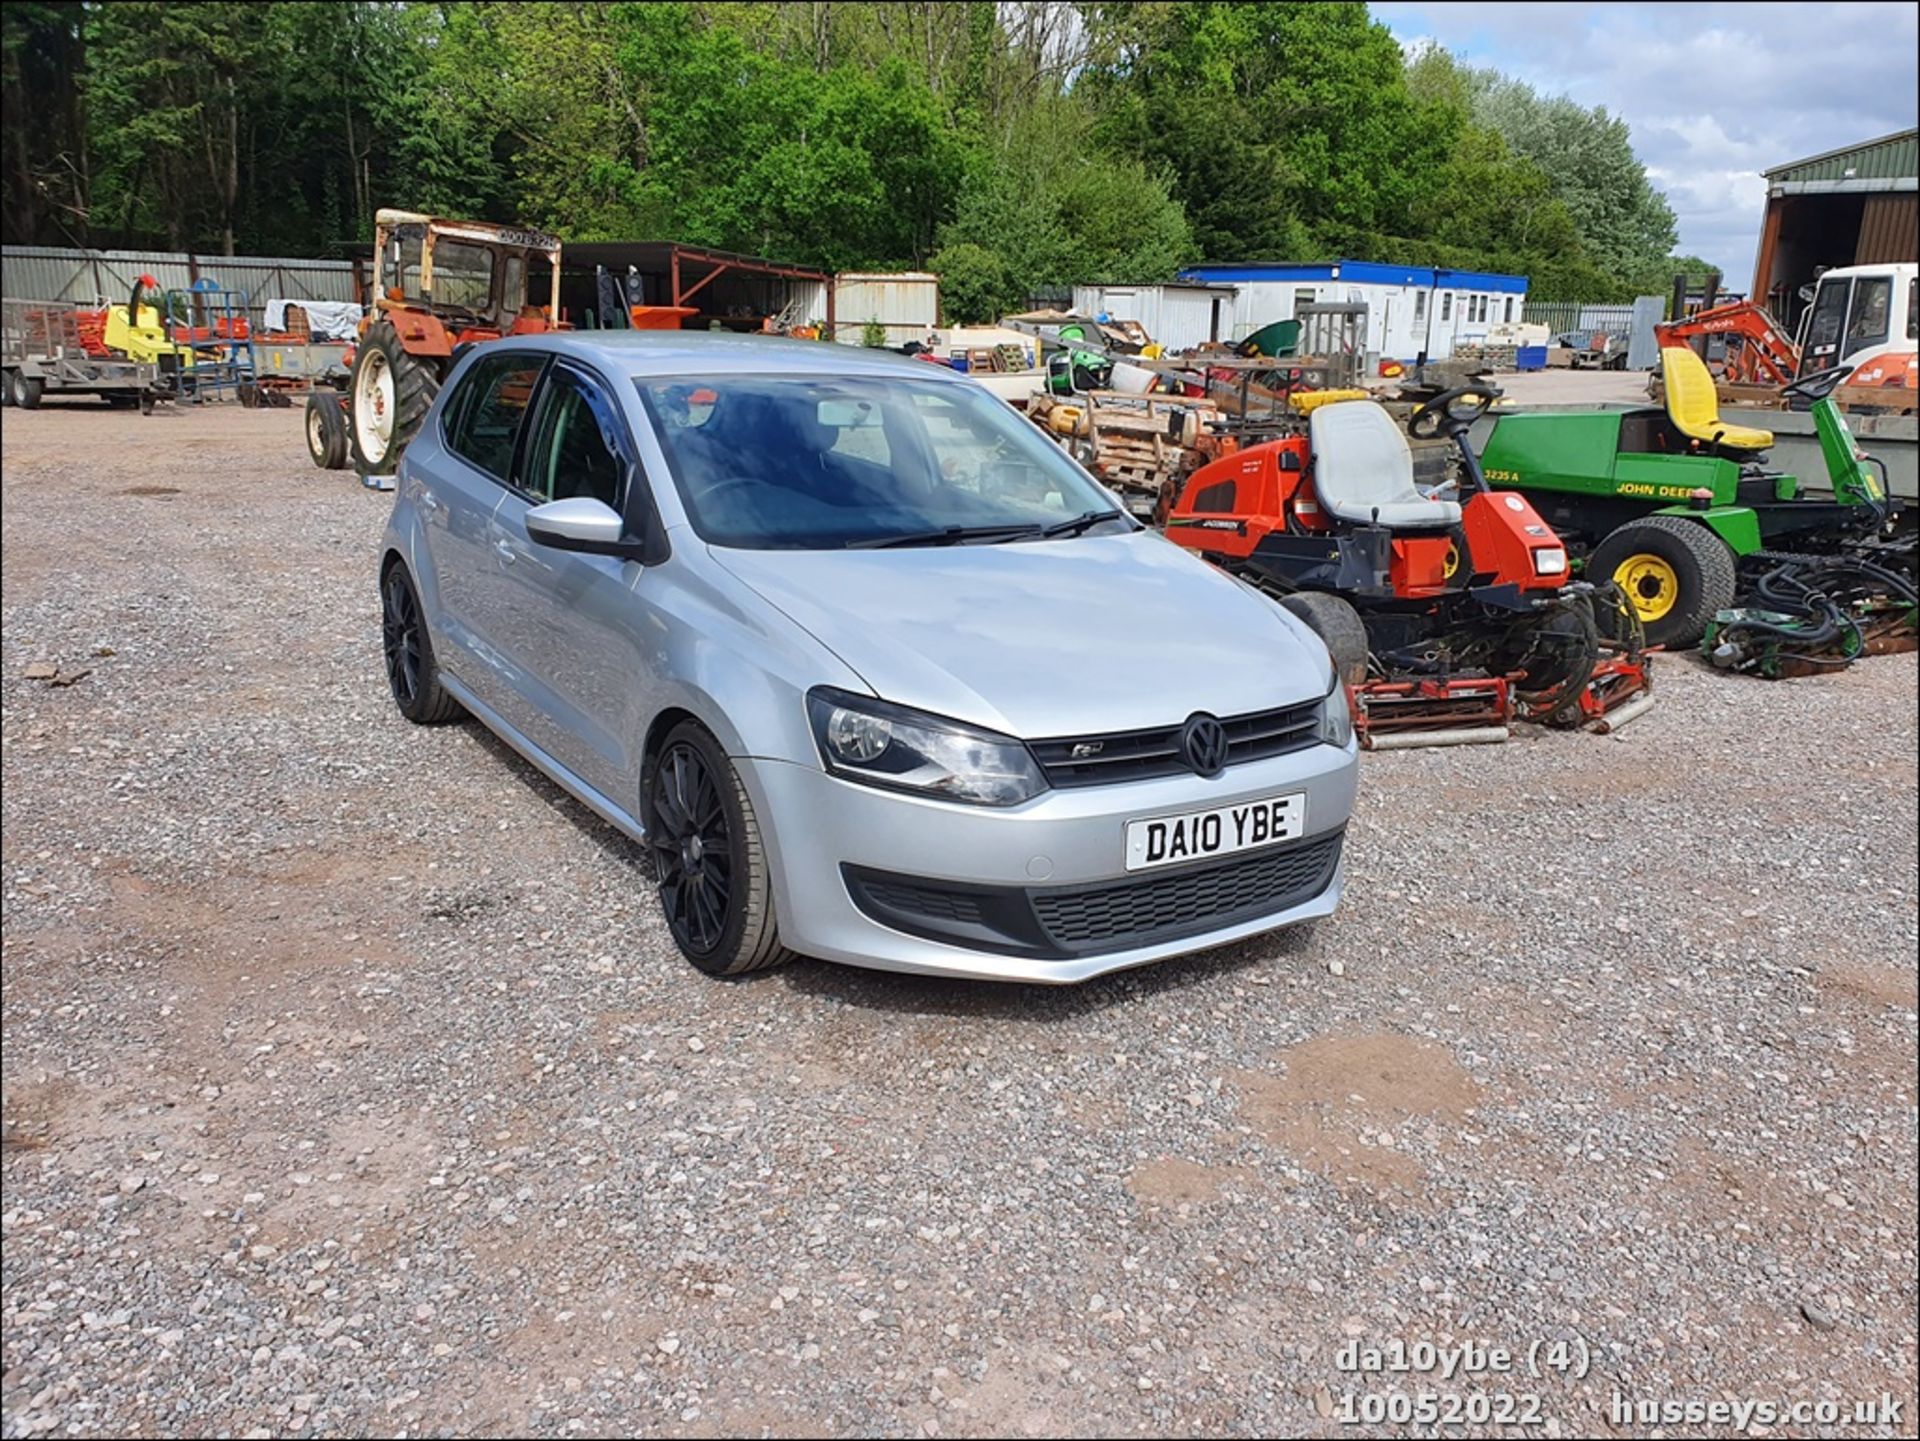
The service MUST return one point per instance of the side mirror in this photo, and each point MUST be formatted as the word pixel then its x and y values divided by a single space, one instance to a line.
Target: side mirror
pixel 582 523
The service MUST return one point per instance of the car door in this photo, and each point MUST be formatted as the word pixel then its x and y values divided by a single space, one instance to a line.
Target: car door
pixel 462 481
pixel 574 632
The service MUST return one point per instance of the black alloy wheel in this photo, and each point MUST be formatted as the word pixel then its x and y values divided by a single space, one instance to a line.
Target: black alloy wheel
pixel 693 849
pixel 400 625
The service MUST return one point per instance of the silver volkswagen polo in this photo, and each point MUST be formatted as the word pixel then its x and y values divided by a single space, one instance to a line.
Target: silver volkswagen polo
pixel 872 669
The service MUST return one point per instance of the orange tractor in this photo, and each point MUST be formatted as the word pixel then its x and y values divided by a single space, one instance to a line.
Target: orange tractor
pixel 438 285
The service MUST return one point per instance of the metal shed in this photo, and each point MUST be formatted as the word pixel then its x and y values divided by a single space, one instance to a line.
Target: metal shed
pixel 906 306
pixel 1858 205
pixel 90 277
pixel 739 291
pixel 1178 314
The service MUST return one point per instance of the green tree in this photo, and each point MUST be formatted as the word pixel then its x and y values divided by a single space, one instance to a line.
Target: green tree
pixel 1624 223
pixel 1287 127
pixel 976 286
pixel 46 179
pixel 1054 209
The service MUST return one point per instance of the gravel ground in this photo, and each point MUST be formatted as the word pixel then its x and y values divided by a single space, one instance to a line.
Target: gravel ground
pixel 352 1083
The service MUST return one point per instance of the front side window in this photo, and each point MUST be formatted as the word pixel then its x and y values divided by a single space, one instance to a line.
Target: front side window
pixel 1867 323
pixel 462 275
pixel 487 414
pixel 1829 310
pixel 575 446
pixel 400 263
pixel 792 463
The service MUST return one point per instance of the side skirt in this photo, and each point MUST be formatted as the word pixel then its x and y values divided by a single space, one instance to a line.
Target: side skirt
pixel 627 824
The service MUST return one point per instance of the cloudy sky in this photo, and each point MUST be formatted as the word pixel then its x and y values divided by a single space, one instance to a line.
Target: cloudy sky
pixel 1714 93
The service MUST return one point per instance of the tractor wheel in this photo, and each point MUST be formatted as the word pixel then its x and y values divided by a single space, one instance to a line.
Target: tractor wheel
pixel 326 431
pixel 390 394
pixel 27 390
pixel 1339 626
pixel 1676 573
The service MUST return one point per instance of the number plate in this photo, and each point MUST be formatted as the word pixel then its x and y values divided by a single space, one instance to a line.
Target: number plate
pixel 1221 831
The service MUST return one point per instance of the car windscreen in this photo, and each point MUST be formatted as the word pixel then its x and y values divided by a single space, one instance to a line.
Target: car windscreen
pixel 793 463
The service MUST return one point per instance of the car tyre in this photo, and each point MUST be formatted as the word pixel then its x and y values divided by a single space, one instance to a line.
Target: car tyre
pixel 1680 571
pixel 412 673
pixel 698 813
pixel 1337 624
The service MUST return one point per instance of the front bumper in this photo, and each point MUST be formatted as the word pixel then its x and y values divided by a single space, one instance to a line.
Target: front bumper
pixel 829 838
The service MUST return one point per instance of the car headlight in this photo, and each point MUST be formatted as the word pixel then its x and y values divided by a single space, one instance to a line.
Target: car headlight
pixel 882 744
pixel 1336 720
pixel 1550 560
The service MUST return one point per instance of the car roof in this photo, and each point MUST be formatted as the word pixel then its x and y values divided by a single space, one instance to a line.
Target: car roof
pixel 648 353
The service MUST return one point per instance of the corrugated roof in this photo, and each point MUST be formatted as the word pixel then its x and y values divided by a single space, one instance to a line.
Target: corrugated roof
pixel 1866 166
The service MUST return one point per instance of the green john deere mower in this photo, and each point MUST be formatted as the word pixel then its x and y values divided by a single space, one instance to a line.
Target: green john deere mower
pixel 1679 508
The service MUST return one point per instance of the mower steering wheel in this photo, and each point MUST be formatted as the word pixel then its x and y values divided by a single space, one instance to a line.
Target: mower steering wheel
pixel 1818 384
pixel 1448 412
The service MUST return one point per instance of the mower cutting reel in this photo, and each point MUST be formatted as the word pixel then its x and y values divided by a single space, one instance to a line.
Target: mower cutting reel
pixel 1816 614
pixel 1448 621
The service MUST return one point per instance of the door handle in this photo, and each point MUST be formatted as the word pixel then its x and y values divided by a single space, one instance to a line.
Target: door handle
pixel 505 551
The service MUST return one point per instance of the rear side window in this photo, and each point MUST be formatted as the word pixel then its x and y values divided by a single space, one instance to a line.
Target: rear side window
pixel 486 416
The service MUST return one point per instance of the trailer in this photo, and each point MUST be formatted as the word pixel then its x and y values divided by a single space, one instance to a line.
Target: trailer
pixel 41 353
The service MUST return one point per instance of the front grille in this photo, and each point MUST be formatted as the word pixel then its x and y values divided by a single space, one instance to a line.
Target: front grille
pixel 1153 908
pixel 1144 754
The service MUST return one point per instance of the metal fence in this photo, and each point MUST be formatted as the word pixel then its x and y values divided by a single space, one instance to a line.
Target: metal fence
pixel 1634 322
pixel 93 277
pixel 1559 315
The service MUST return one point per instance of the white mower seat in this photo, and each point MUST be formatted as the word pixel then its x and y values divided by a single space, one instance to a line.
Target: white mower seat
pixel 1363 464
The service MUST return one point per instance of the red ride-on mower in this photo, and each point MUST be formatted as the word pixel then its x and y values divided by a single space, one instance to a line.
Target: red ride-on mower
pixel 1449 620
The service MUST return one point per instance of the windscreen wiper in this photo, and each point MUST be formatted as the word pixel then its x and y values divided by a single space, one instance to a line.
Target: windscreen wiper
pixel 951 535
pixel 1078 523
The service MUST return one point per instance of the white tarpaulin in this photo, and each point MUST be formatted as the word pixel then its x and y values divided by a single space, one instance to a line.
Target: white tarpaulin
pixel 326 319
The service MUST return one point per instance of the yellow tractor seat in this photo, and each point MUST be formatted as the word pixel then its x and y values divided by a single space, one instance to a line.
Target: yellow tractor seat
pixel 1693 405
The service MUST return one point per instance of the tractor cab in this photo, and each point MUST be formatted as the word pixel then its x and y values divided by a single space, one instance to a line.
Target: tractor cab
pixel 1337 510
pixel 443 283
